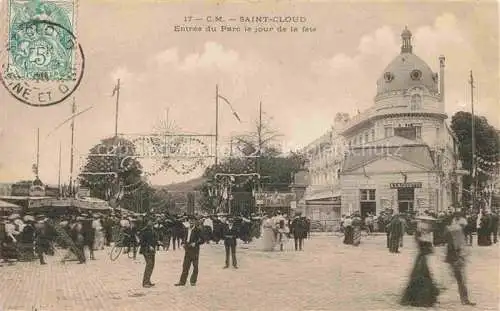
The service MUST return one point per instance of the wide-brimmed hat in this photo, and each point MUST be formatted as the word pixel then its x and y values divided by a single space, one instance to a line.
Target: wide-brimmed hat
pixel 14 216
pixel 28 218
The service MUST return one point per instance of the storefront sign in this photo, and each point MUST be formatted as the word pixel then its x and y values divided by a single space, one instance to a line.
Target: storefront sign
pixel 406 185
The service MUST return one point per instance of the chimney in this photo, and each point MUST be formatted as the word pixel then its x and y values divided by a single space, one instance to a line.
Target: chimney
pixel 441 78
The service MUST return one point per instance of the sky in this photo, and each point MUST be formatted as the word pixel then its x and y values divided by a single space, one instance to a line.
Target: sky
pixel 302 79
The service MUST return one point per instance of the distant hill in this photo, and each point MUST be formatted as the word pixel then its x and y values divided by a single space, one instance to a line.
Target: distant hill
pixel 186 186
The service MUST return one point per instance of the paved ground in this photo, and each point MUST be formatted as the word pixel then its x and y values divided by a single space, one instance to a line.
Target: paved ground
pixel 326 276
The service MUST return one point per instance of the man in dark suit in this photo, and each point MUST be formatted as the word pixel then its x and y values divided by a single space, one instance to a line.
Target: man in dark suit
pixel 148 249
pixel 192 241
pixel 230 233
pixel 299 230
pixel 132 238
pixel 494 225
pixel 178 232
pixel 455 257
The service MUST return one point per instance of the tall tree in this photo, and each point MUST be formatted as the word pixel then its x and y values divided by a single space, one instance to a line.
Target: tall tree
pixel 261 141
pixel 487 145
pixel 256 152
pixel 108 157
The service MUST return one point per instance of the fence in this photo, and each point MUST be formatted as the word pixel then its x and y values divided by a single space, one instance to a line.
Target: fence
pixel 325 225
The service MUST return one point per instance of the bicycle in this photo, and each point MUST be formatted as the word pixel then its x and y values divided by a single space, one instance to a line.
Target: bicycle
pixel 117 249
pixel 365 231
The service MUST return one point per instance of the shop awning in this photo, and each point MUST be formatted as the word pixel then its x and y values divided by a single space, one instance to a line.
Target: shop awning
pixel 6 206
pixel 323 196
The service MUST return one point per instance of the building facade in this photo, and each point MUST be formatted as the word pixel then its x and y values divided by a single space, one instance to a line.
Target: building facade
pixel 399 154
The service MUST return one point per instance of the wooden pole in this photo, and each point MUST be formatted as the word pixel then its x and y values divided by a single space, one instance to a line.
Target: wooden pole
pixel 473 184
pixel 116 160
pixel 73 111
pixel 216 125
pixel 37 152
pixel 117 107
pixel 259 137
pixel 59 171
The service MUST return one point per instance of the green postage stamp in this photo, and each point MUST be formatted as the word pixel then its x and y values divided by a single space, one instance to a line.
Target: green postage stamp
pixel 43 62
pixel 40 50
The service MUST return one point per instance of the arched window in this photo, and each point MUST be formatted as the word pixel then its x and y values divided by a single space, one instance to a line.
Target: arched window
pixel 415 102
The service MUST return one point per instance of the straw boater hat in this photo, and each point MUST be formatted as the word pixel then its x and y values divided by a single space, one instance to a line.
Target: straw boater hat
pixel 28 218
pixel 41 218
pixel 14 216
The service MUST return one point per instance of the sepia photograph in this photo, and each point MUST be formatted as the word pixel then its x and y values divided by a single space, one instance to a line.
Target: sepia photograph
pixel 249 155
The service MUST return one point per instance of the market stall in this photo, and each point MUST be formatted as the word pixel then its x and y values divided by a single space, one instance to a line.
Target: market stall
pixel 7 208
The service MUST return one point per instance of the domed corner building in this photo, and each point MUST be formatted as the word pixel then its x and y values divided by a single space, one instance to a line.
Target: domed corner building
pixel 399 154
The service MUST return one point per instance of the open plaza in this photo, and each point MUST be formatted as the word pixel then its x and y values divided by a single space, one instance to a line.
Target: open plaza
pixel 327 275
pixel 265 156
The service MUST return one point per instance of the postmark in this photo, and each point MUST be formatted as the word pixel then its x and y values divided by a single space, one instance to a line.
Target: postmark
pixel 43 63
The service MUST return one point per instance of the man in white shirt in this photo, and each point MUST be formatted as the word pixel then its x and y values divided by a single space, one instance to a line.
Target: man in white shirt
pixel 124 223
pixel 458 219
pixel 208 228
pixel 191 243
pixel 10 230
pixel 99 234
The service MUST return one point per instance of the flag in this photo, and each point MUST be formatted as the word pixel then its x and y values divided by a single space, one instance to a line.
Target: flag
pixel 34 168
pixel 72 117
pixel 230 106
pixel 115 89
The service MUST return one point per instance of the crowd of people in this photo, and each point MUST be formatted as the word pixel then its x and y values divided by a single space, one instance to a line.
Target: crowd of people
pixel 34 237
pixel 20 236
pixel 452 229
pixel 484 224
pixel 279 228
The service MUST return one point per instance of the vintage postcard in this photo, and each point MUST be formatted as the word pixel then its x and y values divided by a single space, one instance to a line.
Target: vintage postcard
pixel 249 155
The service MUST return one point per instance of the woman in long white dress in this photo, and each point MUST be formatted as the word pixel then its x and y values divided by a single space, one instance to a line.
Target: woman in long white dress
pixel 268 241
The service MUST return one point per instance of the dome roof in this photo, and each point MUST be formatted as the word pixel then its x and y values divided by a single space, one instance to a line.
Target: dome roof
pixel 406 71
